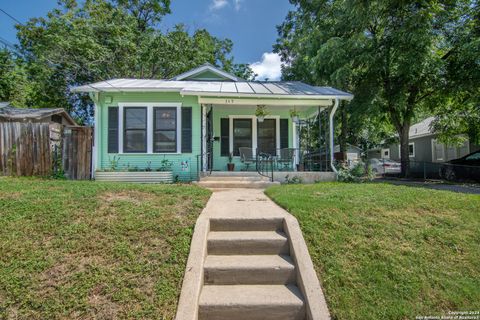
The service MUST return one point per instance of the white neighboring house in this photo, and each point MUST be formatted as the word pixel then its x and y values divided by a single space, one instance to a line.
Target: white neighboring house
pixel 424 146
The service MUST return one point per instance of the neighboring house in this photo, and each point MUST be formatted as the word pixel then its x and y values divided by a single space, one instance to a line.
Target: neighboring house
pixel 352 154
pixel 423 146
pixel 198 118
pixel 56 115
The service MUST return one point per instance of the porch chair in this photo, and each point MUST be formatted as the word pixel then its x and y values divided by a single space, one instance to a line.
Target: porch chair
pixel 286 157
pixel 246 156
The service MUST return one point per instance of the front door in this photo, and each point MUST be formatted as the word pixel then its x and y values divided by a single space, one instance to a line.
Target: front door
pixel 267 136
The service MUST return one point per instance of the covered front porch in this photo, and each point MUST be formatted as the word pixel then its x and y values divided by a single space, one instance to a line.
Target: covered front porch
pixel 263 136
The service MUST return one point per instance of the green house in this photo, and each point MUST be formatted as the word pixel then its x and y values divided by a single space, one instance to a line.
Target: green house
pixel 196 120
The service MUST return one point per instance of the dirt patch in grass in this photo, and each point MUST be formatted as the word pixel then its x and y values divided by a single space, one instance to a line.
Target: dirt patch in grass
pixel 92 250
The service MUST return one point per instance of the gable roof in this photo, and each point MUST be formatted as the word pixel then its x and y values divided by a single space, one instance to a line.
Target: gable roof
pixel 279 89
pixel 8 112
pixel 218 74
pixel 422 128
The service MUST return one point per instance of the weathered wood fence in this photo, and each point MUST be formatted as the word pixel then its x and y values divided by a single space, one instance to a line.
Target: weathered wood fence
pixel 77 152
pixel 39 149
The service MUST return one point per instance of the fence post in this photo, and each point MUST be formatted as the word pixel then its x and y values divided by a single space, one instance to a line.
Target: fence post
pixel 424 171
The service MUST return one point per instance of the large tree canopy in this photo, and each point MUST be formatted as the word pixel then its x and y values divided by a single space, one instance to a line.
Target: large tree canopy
pixel 397 57
pixel 103 39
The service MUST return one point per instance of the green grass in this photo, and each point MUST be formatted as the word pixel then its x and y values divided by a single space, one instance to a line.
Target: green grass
pixel 389 252
pixel 91 250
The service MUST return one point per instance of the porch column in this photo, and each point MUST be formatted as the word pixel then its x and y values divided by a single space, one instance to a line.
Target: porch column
pixel 204 138
pixel 332 147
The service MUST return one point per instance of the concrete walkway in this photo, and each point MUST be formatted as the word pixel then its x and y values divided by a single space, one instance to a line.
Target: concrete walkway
pixel 248 260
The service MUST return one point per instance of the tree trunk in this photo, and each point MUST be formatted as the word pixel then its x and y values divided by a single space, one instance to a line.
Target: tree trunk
pixel 404 149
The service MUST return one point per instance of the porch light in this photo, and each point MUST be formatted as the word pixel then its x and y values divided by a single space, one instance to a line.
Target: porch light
pixel 294 114
pixel 261 112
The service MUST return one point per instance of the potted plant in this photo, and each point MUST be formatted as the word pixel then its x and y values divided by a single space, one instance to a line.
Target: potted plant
pixel 294 114
pixel 261 113
pixel 230 164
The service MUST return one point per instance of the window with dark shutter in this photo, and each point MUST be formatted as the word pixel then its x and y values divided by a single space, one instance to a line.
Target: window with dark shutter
pixel 283 133
pixel 224 137
pixel 186 130
pixel 165 130
pixel 135 130
pixel 112 129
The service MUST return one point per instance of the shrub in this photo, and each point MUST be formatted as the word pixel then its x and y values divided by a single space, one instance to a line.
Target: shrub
pixel 359 173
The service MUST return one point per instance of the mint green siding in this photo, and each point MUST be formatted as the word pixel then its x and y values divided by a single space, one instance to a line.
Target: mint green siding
pixel 219 162
pixel 142 160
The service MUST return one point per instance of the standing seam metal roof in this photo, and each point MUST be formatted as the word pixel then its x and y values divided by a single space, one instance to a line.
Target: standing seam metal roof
pixel 281 88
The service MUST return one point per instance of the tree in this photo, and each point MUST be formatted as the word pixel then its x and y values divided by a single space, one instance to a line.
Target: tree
pixel 390 54
pixel 14 84
pixel 101 39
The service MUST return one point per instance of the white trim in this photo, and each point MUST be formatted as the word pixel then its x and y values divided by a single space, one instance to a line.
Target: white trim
pixel 318 98
pixel 96 139
pixel 410 156
pixel 382 151
pixel 254 131
pixel 150 106
pixel 203 69
pixel 279 101
pixel 434 159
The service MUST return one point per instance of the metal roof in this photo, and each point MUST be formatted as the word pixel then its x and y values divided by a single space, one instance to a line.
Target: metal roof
pixel 11 113
pixel 422 128
pixel 277 89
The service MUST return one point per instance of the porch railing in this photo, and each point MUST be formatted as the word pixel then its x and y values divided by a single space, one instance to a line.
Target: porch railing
pixel 209 164
pixel 265 165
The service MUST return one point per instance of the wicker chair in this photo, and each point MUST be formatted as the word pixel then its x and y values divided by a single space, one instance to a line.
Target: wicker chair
pixel 246 156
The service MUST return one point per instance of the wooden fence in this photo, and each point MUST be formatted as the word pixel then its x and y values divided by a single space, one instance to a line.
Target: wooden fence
pixel 39 149
pixel 77 152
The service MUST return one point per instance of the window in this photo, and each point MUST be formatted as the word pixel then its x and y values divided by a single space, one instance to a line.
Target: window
pixel 135 130
pixel 438 151
pixel 473 157
pixel 242 134
pixel 411 149
pixel 165 130
pixel 385 153
pixel 267 136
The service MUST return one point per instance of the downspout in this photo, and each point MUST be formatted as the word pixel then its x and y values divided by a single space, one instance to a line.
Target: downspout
pixel 332 114
pixel 96 134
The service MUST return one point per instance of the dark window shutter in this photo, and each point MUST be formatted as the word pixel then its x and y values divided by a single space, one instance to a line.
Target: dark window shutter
pixel 186 129
pixel 224 137
pixel 283 133
pixel 112 129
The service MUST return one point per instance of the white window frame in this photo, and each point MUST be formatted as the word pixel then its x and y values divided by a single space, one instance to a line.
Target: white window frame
pixel 149 106
pixel 383 151
pixel 409 155
pixel 254 131
pixel 433 142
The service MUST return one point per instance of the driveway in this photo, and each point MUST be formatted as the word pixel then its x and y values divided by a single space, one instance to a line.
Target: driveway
pixel 437 185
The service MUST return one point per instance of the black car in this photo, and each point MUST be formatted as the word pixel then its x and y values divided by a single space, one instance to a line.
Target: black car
pixel 464 168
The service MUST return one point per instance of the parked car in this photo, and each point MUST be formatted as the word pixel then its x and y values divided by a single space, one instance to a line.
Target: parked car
pixel 384 166
pixel 464 168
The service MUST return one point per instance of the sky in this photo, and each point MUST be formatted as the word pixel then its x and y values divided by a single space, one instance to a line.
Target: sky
pixel 250 24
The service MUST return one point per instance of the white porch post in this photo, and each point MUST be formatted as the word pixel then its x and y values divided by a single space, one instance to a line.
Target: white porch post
pixel 204 138
pixel 332 148
pixel 96 133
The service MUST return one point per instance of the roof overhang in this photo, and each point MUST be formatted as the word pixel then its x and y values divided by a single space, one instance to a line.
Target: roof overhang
pixel 255 101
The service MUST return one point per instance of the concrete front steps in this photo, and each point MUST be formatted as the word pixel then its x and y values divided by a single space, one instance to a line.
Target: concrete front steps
pixel 236 179
pixel 249 274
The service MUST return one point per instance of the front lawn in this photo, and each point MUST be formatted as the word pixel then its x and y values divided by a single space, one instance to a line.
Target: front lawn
pixel 76 250
pixel 389 252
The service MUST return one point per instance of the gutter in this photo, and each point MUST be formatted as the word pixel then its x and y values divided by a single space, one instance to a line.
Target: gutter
pixel 332 114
